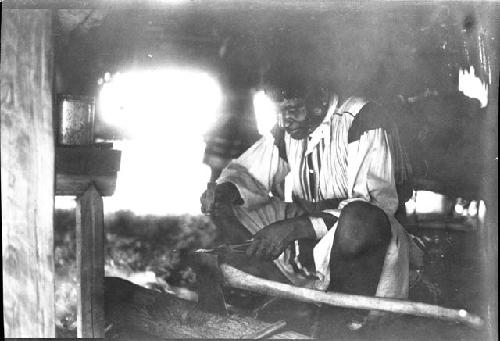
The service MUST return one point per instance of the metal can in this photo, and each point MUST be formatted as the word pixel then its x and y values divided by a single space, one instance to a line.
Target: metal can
pixel 76 120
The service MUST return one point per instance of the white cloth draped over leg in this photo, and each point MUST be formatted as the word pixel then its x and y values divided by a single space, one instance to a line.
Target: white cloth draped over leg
pixel 394 276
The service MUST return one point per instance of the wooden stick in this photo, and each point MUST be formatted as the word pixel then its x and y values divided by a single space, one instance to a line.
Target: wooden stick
pixel 239 279
pixel 266 331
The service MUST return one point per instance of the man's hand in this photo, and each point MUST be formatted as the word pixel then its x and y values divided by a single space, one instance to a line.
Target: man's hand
pixel 217 195
pixel 273 239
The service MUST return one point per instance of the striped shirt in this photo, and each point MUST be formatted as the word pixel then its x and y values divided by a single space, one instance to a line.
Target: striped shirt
pixel 348 157
pixel 318 165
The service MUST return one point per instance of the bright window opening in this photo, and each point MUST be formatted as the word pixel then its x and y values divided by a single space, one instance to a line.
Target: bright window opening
pixel 266 112
pixel 426 202
pixel 177 102
pixel 165 113
pixel 471 86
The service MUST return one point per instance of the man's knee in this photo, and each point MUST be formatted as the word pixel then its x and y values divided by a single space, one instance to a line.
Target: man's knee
pixel 362 227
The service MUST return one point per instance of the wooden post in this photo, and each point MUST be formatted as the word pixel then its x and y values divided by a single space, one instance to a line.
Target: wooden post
pixel 89 172
pixel 90 263
pixel 27 173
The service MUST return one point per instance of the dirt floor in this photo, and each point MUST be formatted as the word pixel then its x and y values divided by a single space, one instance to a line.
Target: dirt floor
pixel 148 251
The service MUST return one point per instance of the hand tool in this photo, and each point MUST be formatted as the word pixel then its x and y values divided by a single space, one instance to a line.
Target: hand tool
pixel 224 248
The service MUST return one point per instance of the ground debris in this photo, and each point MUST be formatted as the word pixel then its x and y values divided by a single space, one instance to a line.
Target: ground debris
pixel 131 307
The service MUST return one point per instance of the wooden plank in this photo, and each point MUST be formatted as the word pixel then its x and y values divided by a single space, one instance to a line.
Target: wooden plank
pixel 90 263
pixel 67 184
pixel 87 160
pixel 27 174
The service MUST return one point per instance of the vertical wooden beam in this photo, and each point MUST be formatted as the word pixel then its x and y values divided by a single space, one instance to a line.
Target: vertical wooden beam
pixel 27 168
pixel 90 263
pixel 489 177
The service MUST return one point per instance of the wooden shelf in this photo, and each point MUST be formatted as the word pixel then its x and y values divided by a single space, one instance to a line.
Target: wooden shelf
pixel 77 167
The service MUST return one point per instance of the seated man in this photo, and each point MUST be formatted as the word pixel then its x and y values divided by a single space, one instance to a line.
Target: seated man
pixel 339 232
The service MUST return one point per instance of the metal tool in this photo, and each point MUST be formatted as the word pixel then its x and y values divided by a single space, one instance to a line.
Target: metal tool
pixel 224 248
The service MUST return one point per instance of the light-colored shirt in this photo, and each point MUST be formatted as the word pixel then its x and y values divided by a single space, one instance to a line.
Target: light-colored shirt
pixel 358 170
pixel 349 160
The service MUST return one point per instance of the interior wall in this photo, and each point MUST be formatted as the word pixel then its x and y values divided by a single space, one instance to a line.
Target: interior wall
pixel 27 164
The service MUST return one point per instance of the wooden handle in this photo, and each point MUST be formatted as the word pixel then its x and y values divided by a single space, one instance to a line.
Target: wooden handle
pixel 239 279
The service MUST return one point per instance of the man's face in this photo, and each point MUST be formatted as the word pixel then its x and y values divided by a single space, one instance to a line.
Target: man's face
pixel 300 119
pixel 294 115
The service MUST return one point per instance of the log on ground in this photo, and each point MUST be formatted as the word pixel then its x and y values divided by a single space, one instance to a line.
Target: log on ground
pixel 132 307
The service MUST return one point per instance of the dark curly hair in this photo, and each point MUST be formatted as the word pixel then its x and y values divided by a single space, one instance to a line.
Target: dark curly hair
pixel 282 83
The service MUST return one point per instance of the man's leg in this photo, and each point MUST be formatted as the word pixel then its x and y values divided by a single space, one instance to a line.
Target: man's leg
pixel 235 229
pixel 230 230
pixel 361 240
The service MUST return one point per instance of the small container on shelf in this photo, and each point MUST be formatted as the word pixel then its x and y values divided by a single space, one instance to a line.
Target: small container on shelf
pixel 76 120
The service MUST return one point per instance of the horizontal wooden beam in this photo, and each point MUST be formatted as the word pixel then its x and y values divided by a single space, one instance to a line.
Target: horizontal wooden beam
pixel 67 184
pixel 87 160
pixel 79 167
